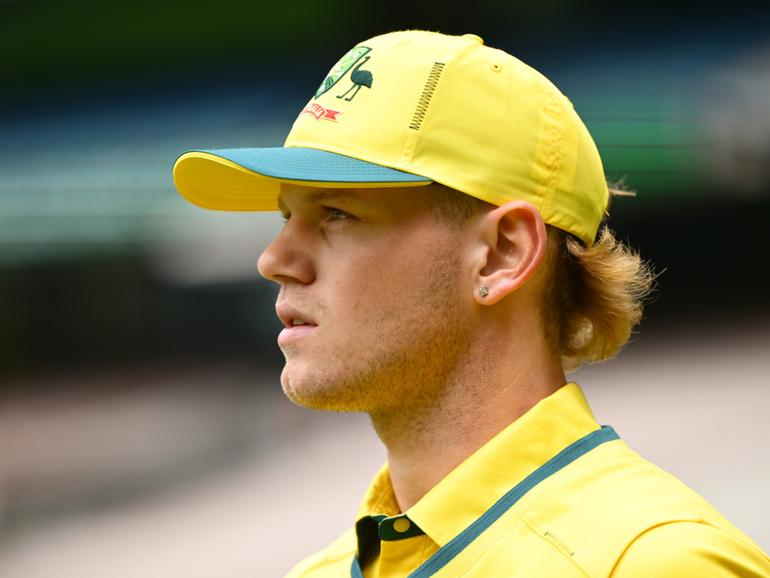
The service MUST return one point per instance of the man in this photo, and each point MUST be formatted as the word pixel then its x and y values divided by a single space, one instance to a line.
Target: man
pixel 439 269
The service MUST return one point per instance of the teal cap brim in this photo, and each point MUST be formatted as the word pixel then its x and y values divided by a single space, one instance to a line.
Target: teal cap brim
pixel 248 179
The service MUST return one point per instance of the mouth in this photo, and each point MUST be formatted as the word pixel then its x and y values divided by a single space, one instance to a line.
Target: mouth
pixel 290 316
pixel 295 322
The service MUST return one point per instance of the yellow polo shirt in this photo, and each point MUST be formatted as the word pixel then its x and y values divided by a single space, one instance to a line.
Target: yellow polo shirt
pixel 553 495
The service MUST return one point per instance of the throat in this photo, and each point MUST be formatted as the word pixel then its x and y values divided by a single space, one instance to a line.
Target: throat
pixel 423 446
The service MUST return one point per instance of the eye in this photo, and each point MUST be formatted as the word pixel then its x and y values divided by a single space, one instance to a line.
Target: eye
pixel 285 218
pixel 337 214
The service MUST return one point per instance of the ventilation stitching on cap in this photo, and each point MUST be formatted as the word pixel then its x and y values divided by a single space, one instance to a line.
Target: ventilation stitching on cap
pixel 427 94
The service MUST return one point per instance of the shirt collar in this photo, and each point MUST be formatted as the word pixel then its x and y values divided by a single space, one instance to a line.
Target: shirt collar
pixel 552 424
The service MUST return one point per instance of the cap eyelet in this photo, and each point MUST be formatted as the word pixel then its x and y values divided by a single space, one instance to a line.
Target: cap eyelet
pixel 496 67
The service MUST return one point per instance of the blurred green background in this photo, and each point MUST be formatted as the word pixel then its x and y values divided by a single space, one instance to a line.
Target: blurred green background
pixel 97 102
pixel 113 287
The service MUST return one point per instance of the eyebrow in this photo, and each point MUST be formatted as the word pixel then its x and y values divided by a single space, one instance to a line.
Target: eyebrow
pixel 322 196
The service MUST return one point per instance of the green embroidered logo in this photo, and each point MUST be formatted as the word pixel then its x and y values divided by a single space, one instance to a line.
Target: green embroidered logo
pixel 341 68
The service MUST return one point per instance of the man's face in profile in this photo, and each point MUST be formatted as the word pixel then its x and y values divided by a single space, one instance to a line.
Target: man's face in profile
pixel 380 281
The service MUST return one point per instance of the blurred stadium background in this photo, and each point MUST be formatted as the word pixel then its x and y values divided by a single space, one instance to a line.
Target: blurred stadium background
pixel 142 428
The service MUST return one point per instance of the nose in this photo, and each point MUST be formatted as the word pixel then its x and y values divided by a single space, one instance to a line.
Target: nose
pixel 287 259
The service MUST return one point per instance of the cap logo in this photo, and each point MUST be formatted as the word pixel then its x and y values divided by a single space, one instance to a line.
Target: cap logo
pixel 319 112
pixel 359 77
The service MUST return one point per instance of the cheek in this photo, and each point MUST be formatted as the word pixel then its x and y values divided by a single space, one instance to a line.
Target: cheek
pixel 373 290
pixel 398 280
pixel 370 264
pixel 379 272
pixel 387 280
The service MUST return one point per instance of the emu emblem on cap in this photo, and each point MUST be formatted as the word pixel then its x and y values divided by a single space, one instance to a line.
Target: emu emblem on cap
pixel 340 69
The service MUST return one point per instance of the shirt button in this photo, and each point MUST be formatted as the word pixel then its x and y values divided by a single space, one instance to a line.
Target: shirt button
pixel 401 525
pixel 478 39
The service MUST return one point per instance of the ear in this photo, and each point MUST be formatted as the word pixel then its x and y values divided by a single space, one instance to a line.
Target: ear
pixel 514 241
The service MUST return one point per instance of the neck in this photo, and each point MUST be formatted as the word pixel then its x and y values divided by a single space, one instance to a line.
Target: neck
pixel 425 443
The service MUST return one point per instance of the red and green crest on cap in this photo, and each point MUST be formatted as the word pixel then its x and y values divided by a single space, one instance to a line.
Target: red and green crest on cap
pixel 340 68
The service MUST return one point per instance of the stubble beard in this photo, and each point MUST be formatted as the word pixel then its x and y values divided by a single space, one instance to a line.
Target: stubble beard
pixel 420 341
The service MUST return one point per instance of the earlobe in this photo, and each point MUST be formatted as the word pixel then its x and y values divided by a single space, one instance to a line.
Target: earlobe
pixel 516 239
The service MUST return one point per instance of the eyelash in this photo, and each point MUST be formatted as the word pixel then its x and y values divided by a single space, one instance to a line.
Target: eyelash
pixel 342 214
pixel 333 210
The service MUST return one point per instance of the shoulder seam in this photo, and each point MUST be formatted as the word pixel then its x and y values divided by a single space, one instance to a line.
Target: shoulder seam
pixel 700 521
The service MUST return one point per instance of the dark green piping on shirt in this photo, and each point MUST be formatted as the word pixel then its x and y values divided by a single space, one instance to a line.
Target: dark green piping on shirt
pixel 556 463
pixel 457 544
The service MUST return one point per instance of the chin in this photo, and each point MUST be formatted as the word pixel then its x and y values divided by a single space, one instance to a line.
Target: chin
pixel 303 390
pixel 314 393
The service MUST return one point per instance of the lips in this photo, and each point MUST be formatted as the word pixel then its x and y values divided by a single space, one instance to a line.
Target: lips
pixel 288 314
pixel 290 333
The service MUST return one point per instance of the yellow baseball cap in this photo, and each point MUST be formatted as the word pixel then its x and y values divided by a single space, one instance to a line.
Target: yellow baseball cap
pixel 412 107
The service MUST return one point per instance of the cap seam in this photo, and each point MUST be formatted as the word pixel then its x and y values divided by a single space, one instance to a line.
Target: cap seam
pixel 556 138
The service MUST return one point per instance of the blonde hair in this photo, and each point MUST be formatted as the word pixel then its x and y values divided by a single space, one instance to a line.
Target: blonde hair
pixel 592 297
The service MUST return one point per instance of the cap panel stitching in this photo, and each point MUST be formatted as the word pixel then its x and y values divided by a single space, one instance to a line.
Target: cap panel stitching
pixel 552 160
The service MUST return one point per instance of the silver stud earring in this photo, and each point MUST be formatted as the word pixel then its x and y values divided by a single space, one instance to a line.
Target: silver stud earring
pixel 483 291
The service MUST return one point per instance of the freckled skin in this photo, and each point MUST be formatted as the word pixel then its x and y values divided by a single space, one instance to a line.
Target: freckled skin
pixel 386 290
